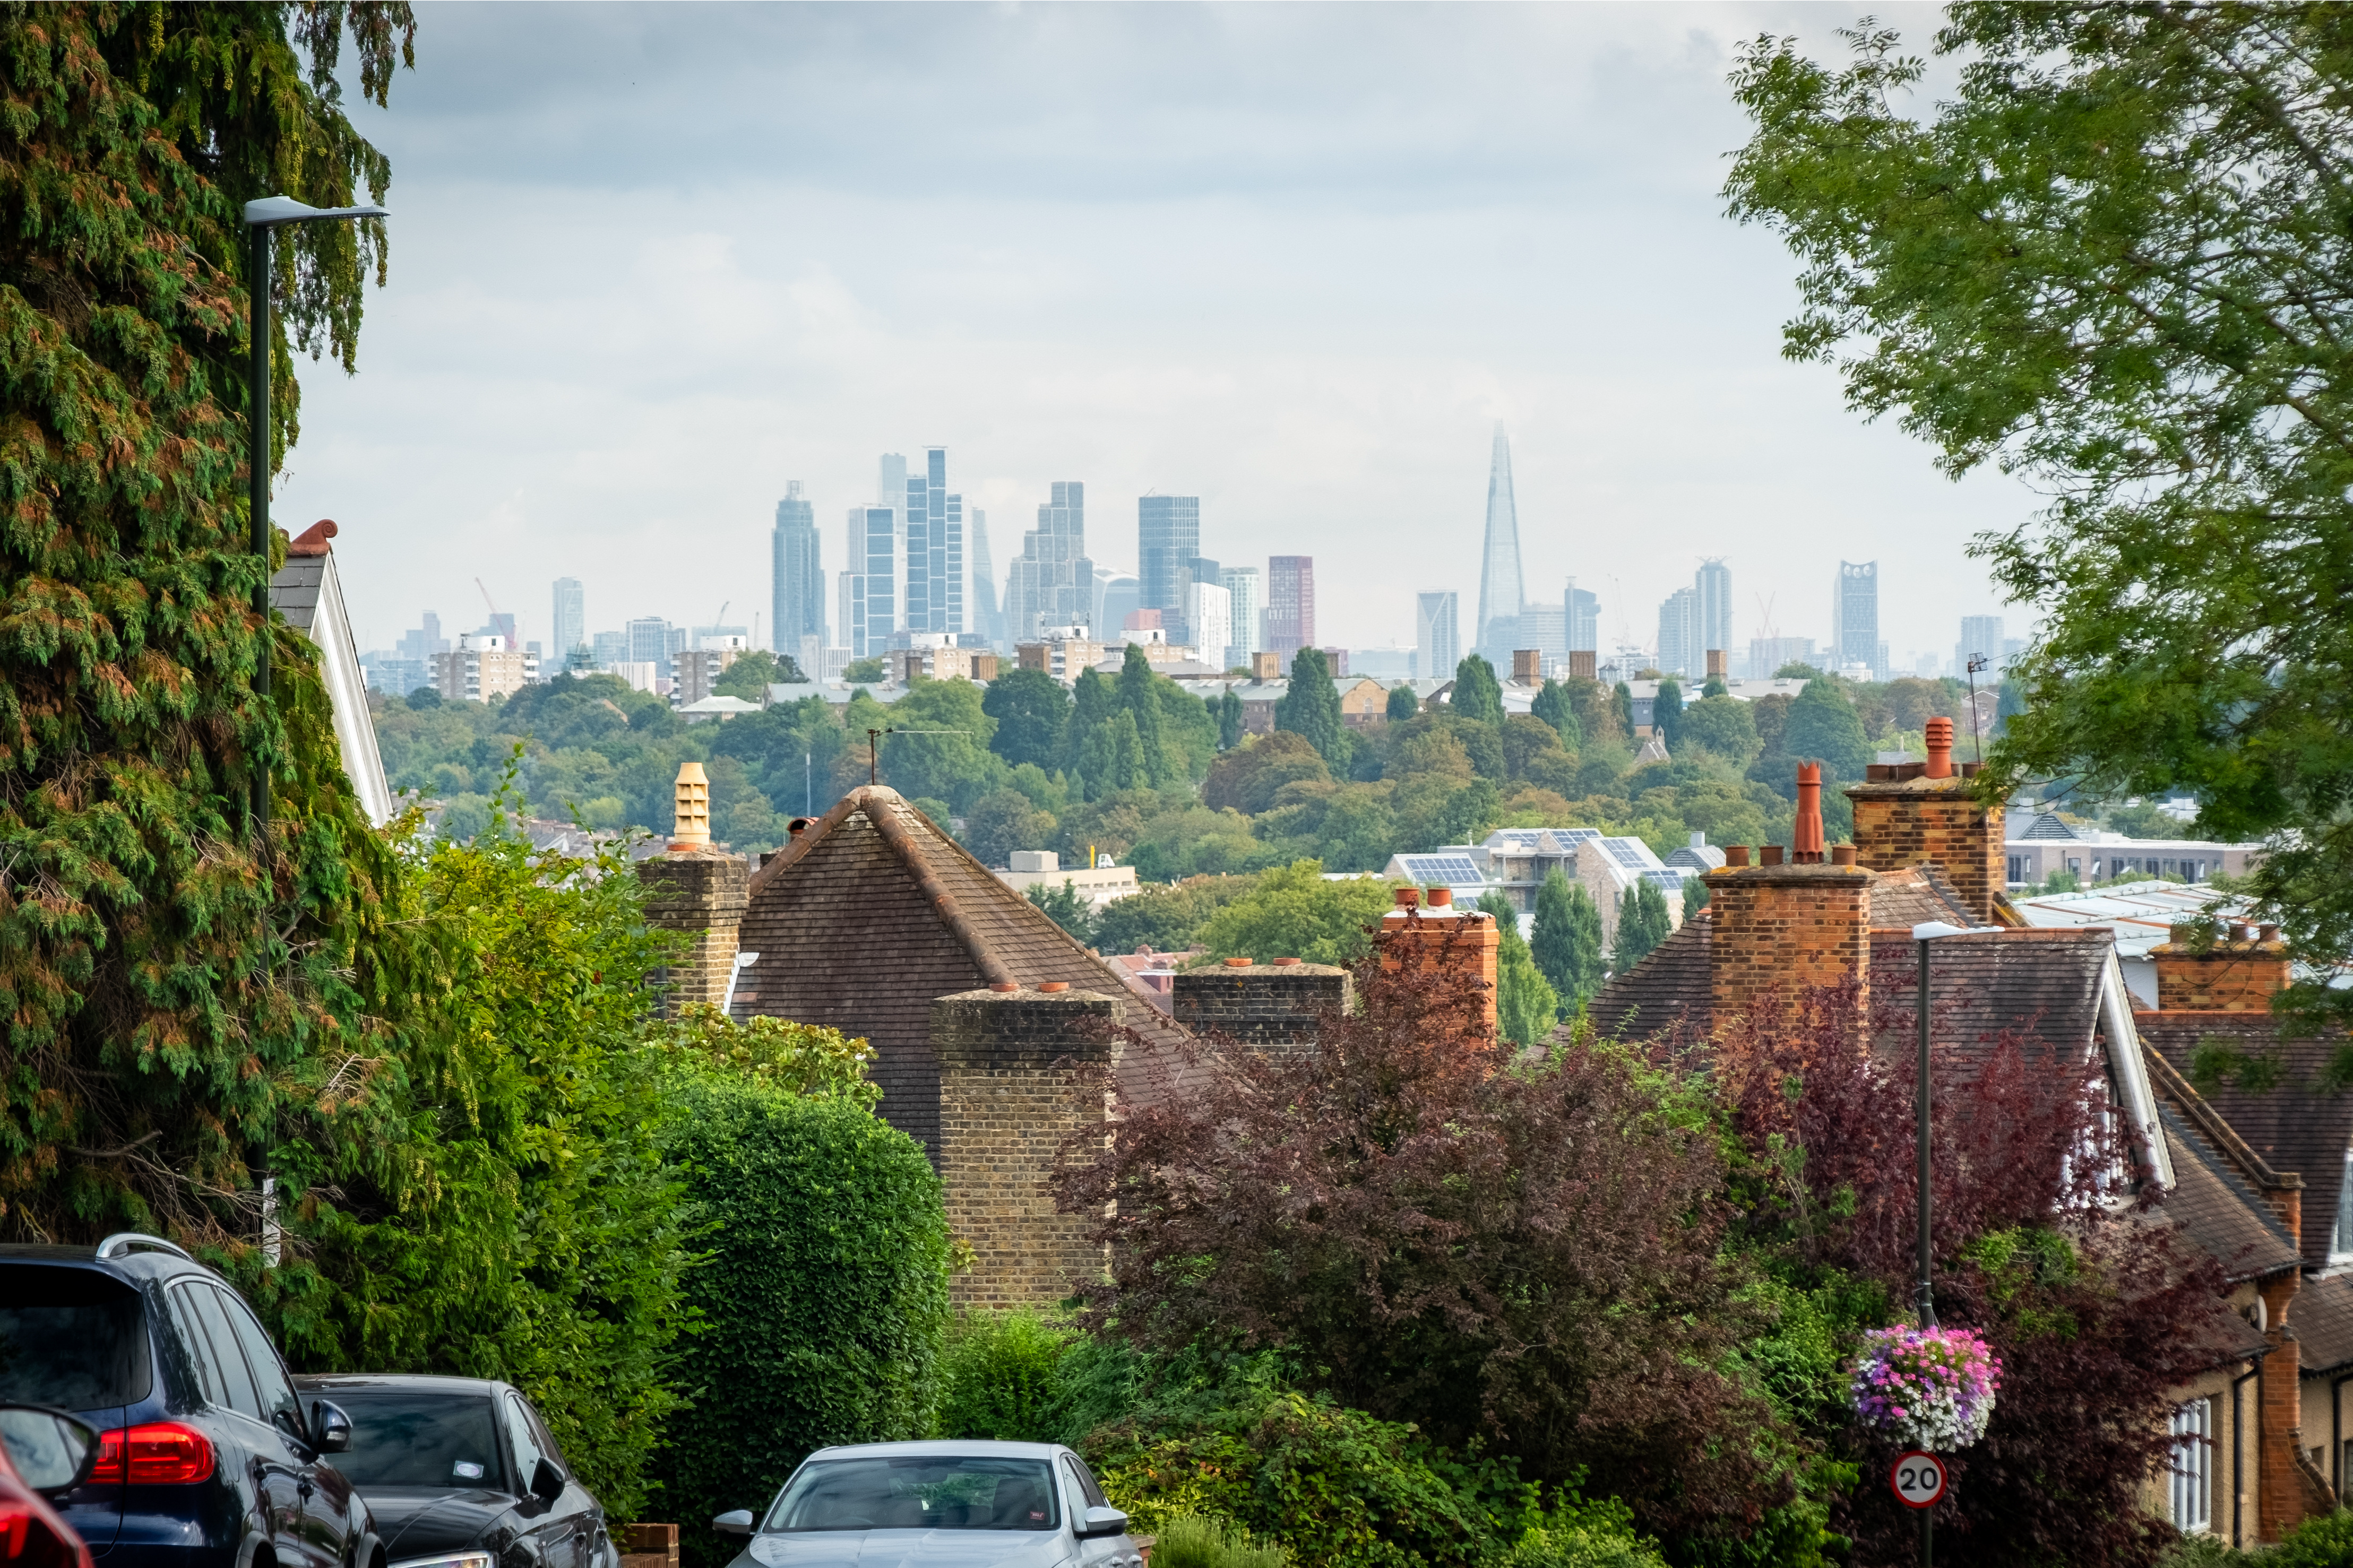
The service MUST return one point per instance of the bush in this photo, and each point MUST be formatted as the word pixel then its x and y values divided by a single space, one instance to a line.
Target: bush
pixel 999 1378
pixel 1188 1540
pixel 823 1298
pixel 1579 1534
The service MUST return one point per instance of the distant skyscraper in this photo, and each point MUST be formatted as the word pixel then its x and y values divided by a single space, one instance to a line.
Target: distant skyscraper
pixel 1208 615
pixel 1245 601
pixel 1677 631
pixel 1052 582
pixel 873 581
pixel 1582 611
pixel 424 642
pixel 934 534
pixel 1713 587
pixel 609 647
pixel 1499 564
pixel 571 619
pixel 1290 604
pixel 1979 633
pixel 1116 594
pixel 650 642
pixel 1854 617
pixel 1438 633
pixel 981 607
pixel 798 582
pixel 1167 536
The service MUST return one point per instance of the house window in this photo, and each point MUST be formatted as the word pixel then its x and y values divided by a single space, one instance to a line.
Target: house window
pixel 2340 1241
pixel 2193 1466
pixel 2017 869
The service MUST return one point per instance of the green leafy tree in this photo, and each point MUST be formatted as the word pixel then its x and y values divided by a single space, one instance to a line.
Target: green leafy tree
pixel 1403 703
pixel 954 762
pixel 1065 907
pixel 1567 941
pixel 1003 821
pixel 1721 726
pixel 1643 922
pixel 2109 263
pixel 182 985
pixel 1823 726
pixel 750 675
pixel 1555 707
pixel 1292 912
pixel 865 671
pixel 1168 918
pixel 1667 714
pixel 1527 1007
pixel 1695 895
pixel 1477 693
pixel 1030 709
pixel 1309 707
pixel 1229 720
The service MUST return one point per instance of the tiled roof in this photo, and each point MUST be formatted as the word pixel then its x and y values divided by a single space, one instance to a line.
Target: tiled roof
pixel 1914 895
pixel 2322 1318
pixel 1672 986
pixel 2218 1210
pixel 2295 1124
pixel 872 913
pixel 2048 825
pixel 2042 987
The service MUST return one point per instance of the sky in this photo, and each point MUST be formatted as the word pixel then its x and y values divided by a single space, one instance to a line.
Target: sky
pixel 651 263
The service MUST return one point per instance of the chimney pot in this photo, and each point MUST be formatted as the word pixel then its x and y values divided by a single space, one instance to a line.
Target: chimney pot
pixel 1807 850
pixel 2270 931
pixel 2245 931
pixel 1736 855
pixel 1442 898
pixel 797 826
pixel 1053 985
pixel 1284 963
pixel 1841 853
pixel 1940 748
pixel 1406 898
pixel 1004 985
pixel 1237 963
pixel 1769 855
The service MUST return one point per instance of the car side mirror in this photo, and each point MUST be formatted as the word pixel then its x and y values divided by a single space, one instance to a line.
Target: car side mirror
pixel 546 1480
pixel 50 1449
pixel 331 1427
pixel 735 1521
pixel 1103 1522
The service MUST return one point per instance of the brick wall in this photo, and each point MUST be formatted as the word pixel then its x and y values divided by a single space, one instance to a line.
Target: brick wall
pixel 1014 1083
pixel 1792 927
pixel 1445 937
pixel 2228 977
pixel 2281 1505
pixel 1936 820
pixel 702 894
pixel 1266 1005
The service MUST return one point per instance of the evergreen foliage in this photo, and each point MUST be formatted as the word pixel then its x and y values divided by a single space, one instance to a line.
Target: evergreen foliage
pixel 1567 941
pixel 1667 715
pixel 1643 922
pixel 1138 696
pixel 1029 708
pixel 1823 726
pixel 1621 702
pixel 1309 707
pixel 752 673
pixel 999 1377
pixel 1477 694
pixel 1229 720
pixel 1526 1005
pixel 865 671
pixel 1721 726
pixel 1402 702
pixel 1555 707
pixel 1065 908
pixel 1292 912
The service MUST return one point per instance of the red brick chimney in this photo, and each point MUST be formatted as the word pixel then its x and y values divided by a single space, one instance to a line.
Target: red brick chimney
pixel 1908 814
pixel 1791 927
pixel 1446 937
pixel 2238 971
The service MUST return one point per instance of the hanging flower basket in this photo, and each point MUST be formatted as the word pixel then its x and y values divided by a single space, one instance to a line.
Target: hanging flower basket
pixel 1925 1388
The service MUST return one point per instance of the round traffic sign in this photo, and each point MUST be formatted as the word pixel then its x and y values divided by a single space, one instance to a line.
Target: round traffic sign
pixel 1918 1479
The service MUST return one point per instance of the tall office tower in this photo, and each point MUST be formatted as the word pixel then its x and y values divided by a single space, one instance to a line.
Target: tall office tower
pixel 609 647
pixel 982 605
pixel 1167 535
pixel 1052 582
pixel 935 568
pixel 1499 566
pixel 571 617
pixel 1582 611
pixel 1979 635
pixel 1854 617
pixel 1712 586
pixel 1243 601
pixel 650 642
pixel 1290 604
pixel 424 642
pixel 1437 633
pixel 1679 625
pixel 1209 618
pixel 799 581
pixel 501 623
pixel 1116 594
pixel 876 548
pixel 1198 572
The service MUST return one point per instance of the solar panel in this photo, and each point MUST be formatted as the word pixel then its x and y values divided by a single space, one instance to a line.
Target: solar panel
pixel 1630 852
pixel 1443 870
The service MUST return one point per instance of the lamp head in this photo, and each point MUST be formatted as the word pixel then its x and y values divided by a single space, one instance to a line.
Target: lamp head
pixel 275 212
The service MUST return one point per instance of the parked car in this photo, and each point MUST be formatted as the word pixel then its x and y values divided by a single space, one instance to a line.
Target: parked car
pixel 946 1505
pixel 42 1454
pixel 461 1473
pixel 206 1454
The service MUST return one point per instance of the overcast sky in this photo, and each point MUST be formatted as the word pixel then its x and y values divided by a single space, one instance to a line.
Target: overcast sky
pixel 649 264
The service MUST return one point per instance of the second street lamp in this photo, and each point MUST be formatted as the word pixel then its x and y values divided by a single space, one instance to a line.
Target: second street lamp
pixel 263 219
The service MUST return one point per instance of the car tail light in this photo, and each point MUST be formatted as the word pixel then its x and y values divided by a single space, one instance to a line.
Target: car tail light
pixel 161 1453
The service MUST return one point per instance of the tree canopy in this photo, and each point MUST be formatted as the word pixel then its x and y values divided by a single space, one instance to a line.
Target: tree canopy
pixel 2116 262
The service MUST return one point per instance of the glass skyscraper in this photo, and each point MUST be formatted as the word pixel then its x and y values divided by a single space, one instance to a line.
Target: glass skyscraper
pixel 1499 594
pixel 570 622
pixel 1582 610
pixel 1052 582
pixel 1712 586
pixel 798 583
pixel 1245 602
pixel 1167 539
pixel 935 563
pixel 1289 604
pixel 1438 633
pixel 1854 617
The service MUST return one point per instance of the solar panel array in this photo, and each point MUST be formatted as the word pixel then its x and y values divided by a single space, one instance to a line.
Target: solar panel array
pixel 1630 852
pixel 1441 871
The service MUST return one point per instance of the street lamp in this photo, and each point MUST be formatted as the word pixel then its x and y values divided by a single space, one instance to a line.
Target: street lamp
pixel 1923 933
pixel 262 219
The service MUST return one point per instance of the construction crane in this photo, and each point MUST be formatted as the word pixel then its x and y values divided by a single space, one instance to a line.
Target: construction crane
pixel 1764 627
pixel 495 622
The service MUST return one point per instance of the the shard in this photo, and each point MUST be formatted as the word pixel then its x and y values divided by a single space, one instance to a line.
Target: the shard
pixel 1499 566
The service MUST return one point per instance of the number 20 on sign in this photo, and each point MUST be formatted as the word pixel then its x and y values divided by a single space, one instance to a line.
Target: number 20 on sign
pixel 1918 1480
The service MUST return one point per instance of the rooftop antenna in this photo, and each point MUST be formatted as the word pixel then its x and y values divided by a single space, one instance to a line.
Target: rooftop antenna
pixel 1977 661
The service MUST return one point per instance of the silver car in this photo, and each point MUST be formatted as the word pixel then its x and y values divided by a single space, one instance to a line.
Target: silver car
pixel 937 1505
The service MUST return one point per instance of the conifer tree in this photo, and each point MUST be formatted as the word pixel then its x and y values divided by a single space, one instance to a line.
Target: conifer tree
pixel 188 991
pixel 1555 707
pixel 1403 703
pixel 1477 693
pixel 1229 720
pixel 1643 922
pixel 1139 697
pixel 1093 703
pixel 1667 715
pixel 1309 707
pixel 1527 1007
pixel 1567 941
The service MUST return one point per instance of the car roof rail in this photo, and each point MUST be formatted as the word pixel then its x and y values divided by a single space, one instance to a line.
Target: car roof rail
pixel 124 1240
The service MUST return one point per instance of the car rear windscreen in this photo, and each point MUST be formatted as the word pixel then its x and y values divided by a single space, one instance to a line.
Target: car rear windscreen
pixel 442 1442
pixel 929 1492
pixel 72 1338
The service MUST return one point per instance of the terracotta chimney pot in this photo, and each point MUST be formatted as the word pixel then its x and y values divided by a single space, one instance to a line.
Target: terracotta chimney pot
pixel 1054 985
pixel 1237 963
pixel 1940 748
pixel 1284 963
pixel 1736 855
pixel 1406 898
pixel 1769 855
pixel 1841 853
pixel 1442 898
pixel 1807 850
pixel 1004 985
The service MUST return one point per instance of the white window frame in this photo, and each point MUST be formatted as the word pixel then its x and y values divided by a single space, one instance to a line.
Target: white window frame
pixel 2340 1240
pixel 2193 1467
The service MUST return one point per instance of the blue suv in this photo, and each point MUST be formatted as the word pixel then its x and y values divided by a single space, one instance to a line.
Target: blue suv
pixel 207 1457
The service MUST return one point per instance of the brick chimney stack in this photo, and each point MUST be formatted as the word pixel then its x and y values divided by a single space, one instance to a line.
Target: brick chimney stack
pixel 1581 664
pixel 1908 814
pixel 1528 667
pixel 1268 1007
pixel 1793 926
pixel 1446 936
pixel 1715 664
pixel 2238 971
pixel 699 891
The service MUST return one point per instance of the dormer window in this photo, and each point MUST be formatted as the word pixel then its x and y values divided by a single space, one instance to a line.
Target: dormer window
pixel 2340 1240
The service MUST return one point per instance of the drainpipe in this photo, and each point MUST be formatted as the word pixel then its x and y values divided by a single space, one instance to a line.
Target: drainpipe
pixel 2239 1449
pixel 2336 1428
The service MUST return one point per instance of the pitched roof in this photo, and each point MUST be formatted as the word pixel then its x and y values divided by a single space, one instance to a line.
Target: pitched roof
pixel 1914 895
pixel 2042 987
pixel 872 913
pixel 2294 1124
pixel 2217 1210
pixel 2048 825
pixel 1672 986
pixel 2323 1319
pixel 309 593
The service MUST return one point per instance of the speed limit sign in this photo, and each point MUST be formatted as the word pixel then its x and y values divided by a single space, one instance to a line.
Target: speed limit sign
pixel 1918 1480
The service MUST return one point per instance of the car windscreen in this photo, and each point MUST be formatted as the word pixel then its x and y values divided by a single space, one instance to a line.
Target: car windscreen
pixel 72 1338
pixel 441 1442
pixel 932 1492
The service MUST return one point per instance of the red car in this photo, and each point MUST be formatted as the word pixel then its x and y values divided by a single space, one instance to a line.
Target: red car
pixel 41 1451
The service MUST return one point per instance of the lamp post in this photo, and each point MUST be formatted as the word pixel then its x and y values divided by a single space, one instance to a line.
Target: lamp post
pixel 263 219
